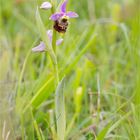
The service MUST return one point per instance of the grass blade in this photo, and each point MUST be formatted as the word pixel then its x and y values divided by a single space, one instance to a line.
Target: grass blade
pixel 102 134
pixel 60 111
pixel 39 97
pixel 77 58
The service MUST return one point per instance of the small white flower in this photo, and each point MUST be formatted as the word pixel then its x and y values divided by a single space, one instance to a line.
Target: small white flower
pixel 46 5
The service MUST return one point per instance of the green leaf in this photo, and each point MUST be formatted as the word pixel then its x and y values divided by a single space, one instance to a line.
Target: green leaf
pixel 103 132
pixel 38 131
pixel 41 94
pixel 60 111
pixel 44 37
pixel 42 30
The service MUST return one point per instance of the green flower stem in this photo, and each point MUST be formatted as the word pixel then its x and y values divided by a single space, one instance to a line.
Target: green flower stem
pixel 54 41
pixel 54 60
pixel 57 74
pixel 54 53
pixel 53 2
pixel 54 32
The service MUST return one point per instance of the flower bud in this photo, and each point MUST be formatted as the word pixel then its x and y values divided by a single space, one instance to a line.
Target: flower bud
pixel 46 5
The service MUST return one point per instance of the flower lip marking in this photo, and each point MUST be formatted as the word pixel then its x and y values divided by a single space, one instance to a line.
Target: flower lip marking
pixel 61 25
pixel 61 18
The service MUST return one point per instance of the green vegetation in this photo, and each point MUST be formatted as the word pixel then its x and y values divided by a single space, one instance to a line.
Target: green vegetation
pixel 98 96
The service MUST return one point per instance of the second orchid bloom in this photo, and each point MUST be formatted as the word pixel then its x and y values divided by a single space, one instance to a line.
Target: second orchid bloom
pixel 42 47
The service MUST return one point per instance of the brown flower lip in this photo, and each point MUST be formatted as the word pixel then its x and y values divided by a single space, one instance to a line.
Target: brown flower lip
pixel 61 25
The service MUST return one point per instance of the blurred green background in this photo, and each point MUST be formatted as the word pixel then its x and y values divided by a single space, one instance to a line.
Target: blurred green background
pixel 102 98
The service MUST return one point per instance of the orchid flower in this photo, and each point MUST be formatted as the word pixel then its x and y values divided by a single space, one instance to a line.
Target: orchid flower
pixel 63 13
pixel 61 18
pixel 42 47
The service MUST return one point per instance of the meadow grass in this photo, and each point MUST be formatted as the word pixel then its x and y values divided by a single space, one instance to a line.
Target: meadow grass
pixel 97 97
